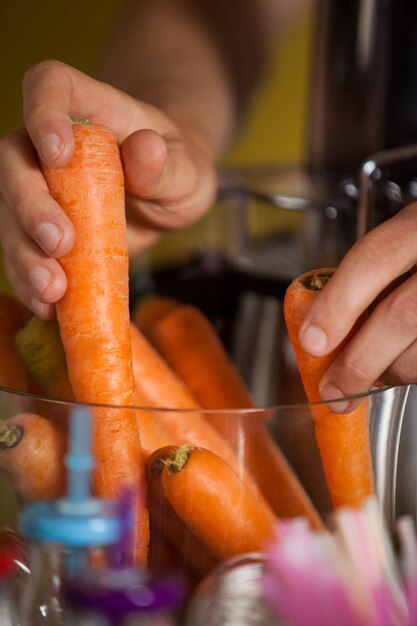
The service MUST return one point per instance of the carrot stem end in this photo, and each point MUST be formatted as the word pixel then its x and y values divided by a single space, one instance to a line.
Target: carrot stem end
pixel 176 461
pixel 10 435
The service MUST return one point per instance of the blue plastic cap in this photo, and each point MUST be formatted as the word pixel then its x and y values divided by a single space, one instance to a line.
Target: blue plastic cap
pixel 79 520
pixel 51 522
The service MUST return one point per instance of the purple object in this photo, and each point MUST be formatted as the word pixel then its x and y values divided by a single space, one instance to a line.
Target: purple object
pixel 117 593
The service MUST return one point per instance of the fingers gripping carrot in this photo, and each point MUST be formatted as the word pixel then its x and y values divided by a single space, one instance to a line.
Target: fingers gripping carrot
pixel 343 439
pixel 93 315
pixel 215 503
pixel 32 449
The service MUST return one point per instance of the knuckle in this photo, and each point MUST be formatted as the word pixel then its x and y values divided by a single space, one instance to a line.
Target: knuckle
pixel 401 372
pixel 23 204
pixel 356 367
pixel 4 144
pixel 42 68
pixel 373 249
pixel 402 310
pixel 15 255
pixel 7 143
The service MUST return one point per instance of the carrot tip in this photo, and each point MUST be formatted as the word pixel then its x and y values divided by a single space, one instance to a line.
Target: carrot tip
pixel 178 458
pixel 317 282
pixel 77 121
pixel 10 435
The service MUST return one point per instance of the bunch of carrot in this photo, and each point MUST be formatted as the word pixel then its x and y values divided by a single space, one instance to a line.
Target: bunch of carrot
pixel 192 490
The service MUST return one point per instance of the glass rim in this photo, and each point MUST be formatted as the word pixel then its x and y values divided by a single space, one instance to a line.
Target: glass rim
pixel 274 408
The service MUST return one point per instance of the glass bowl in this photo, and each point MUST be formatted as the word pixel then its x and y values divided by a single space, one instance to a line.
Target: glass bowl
pixel 235 266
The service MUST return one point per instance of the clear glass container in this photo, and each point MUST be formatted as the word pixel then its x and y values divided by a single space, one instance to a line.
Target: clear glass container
pixel 235 266
pixel 291 428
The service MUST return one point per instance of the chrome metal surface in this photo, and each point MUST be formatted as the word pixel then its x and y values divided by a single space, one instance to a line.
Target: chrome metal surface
pixel 350 67
pixel 231 596
pixel 372 171
pixel 385 434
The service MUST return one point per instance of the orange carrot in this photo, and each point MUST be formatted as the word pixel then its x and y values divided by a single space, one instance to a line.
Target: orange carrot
pixel 93 315
pixel 275 476
pixel 13 316
pixel 215 503
pixel 32 450
pixel 343 439
pixel 190 344
pixel 150 309
pixel 40 347
pixel 167 526
pixel 159 386
pixel 156 384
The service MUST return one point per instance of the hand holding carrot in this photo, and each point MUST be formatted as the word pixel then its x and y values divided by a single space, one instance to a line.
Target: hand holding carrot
pixel 376 280
pixel 343 439
pixel 93 315
pixel 170 176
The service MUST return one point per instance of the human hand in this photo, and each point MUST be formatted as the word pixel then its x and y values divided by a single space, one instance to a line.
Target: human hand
pixel 169 173
pixel 375 280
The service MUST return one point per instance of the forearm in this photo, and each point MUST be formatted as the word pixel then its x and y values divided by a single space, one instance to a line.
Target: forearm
pixel 193 60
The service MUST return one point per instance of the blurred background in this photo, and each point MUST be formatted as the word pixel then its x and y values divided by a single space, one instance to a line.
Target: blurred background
pixel 75 32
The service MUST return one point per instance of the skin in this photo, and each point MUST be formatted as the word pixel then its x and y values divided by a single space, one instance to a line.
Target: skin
pixel 171 137
pixel 376 277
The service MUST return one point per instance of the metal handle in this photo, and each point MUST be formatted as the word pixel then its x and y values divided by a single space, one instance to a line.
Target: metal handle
pixel 371 172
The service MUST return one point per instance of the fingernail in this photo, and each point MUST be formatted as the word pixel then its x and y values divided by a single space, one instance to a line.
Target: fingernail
pixel 331 394
pixel 51 147
pixel 40 278
pixel 314 340
pixel 49 236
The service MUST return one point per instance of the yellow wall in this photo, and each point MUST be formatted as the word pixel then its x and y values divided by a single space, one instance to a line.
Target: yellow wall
pixel 74 32
pixel 32 30
pixel 275 127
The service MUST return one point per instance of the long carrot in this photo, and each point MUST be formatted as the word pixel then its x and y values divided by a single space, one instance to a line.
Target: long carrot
pixel 32 450
pixel 190 344
pixel 215 503
pixel 166 526
pixel 93 315
pixel 13 316
pixel 158 385
pixel 343 439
